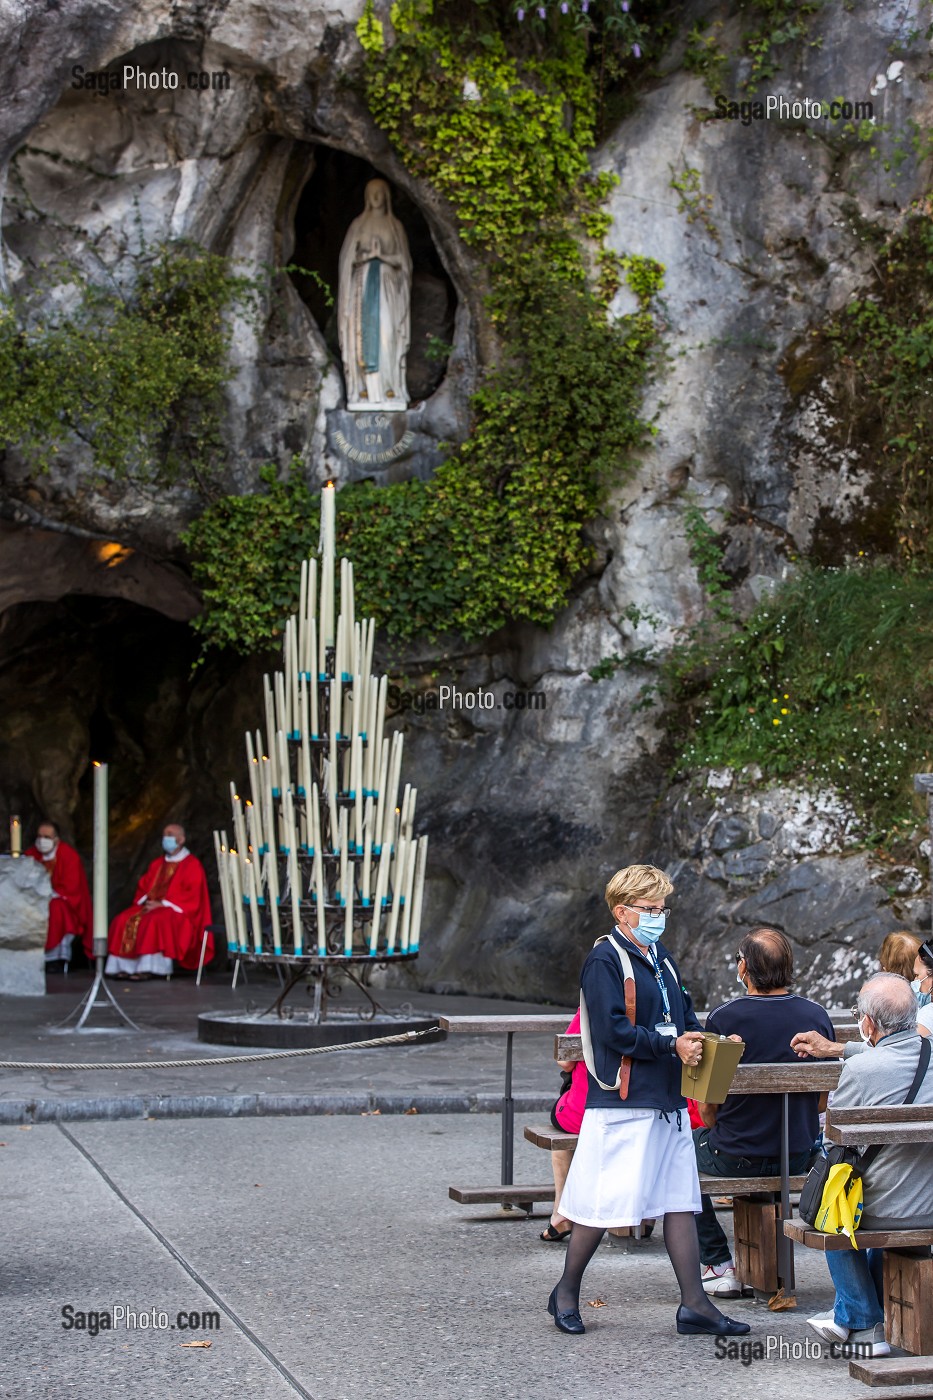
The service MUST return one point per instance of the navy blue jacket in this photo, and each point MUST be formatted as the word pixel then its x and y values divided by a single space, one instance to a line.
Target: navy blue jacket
pixel 656 1068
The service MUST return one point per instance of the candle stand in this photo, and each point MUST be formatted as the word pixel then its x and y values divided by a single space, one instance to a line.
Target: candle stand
pixel 323 876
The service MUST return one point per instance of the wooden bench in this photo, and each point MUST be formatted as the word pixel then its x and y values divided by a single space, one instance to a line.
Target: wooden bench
pixel 908 1265
pixel 505 1193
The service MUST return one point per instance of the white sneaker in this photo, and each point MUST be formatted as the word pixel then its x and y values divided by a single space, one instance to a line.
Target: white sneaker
pixel 868 1343
pixel 719 1281
pixel 825 1326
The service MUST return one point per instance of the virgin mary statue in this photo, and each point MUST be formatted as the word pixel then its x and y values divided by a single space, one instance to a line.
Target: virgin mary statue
pixel 374 305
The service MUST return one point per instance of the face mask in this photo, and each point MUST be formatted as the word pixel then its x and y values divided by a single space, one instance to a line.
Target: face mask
pixel 923 998
pixel 45 845
pixel 650 927
pixel 739 980
pixel 169 845
pixel 866 1038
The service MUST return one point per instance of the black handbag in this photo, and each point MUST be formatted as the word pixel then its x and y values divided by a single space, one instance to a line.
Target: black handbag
pixel 811 1197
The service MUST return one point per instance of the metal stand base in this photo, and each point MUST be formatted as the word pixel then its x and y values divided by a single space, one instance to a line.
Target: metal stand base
pixel 89 1000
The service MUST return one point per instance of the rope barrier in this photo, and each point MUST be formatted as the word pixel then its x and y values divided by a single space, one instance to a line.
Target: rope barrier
pixel 398 1039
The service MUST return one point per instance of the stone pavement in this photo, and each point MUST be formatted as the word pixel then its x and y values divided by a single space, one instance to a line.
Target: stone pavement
pixel 339 1270
pixel 463 1074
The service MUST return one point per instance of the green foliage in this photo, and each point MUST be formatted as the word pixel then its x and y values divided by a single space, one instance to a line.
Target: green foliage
pixel 830 678
pixel 883 345
pixel 489 131
pixel 369 29
pixel 706 555
pixel 705 56
pixel 780 22
pixel 693 202
pixel 136 375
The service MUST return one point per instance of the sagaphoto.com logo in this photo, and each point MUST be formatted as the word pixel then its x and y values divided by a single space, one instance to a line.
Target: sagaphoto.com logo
pixel 453 698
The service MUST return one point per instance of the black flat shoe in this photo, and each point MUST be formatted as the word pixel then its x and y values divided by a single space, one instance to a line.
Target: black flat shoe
pixel 569 1321
pixel 694 1324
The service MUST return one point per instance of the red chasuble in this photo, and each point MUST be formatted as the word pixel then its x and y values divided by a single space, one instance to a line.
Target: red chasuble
pixel 135 933
pixel 71 912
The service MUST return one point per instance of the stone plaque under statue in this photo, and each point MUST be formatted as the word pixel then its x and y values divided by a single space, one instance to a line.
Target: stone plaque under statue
pixel 374 306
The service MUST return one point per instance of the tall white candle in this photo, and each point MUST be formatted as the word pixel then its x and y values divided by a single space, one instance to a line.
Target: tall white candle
pixel 282 719
pixel 328 547
pixel 303 615
pixel 367 850
pixel 315 722
pixel 339 648
pixel 348 604
pixel 319 874
pixel 396 900
pixel 101 857
pixel 356 783
pixel 309 661
pixel 418 897
pixel 305 723
pixel 272 880
pixel 253 906
pixel 237 880
pixel 293 675
pixel 268 804
pixel 411 850
pixel 271 727
pixel 294 876
pixel 348 911
pixel 342 840
pixel 285 776
pixel 239 825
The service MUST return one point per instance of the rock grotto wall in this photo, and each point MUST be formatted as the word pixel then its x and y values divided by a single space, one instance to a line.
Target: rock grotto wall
pixel 530 810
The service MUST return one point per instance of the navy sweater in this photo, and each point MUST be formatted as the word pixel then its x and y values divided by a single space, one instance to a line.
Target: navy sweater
pixel 656 1068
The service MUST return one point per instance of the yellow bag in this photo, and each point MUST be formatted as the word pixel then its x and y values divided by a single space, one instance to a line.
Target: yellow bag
pixel 840 1208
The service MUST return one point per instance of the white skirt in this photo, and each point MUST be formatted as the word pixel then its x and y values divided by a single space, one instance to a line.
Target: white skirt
pixel 631 1165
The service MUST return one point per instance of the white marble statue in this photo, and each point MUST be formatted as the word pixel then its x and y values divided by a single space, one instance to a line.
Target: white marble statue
pixel 374 305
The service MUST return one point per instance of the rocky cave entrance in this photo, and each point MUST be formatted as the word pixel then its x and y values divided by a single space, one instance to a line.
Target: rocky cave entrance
pixel 91 677
pixel 329 201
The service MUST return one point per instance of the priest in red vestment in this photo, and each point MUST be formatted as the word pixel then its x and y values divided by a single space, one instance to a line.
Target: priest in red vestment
pixel 167 920
pixel 70 915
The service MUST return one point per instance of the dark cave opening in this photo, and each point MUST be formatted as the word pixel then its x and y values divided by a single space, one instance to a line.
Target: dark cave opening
pixel 89 678
pixel 329 201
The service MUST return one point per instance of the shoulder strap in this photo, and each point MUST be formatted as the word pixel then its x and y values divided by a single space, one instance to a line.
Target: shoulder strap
pixel 923 1064
pixel 628 979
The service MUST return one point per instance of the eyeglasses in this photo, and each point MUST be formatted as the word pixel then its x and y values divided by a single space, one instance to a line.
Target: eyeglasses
pixel 640 909
pixel 856 1014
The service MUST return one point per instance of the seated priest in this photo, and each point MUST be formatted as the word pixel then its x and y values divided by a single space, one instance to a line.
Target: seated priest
pixel 70 906
pixel 168 918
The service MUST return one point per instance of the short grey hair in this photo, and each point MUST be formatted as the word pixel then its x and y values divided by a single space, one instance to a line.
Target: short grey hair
pixel 890 1002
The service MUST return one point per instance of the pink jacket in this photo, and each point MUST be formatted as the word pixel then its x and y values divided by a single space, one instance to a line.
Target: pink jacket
pixel 569 1107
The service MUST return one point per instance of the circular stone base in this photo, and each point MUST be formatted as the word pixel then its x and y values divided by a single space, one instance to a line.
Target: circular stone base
pixel 299 1031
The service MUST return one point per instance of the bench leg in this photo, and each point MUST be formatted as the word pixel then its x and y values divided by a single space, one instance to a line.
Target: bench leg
pixel 908 1287
pixel 756 1225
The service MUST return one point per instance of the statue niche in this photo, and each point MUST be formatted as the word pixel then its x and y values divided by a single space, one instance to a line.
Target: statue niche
pixel 374 306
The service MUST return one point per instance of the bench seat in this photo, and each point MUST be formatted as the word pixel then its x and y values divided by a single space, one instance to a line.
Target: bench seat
pixel 804 1234
pixel 893 1370
pixel 523 1196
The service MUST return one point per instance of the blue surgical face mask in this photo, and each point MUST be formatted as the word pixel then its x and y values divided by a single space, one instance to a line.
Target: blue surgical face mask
pixel 169 845
pixel 650 927
pixel 923 998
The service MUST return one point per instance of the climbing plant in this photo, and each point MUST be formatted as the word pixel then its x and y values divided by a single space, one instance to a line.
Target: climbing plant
pixel 501 128
pixel 136 374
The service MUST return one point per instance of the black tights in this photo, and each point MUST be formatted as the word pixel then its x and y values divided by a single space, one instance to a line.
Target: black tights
pixel 683 1248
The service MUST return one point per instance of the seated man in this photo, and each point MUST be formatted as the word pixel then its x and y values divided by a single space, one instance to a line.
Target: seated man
pixel 897 1187
pixel 70 914
pixel 742 1137
pixel 170 913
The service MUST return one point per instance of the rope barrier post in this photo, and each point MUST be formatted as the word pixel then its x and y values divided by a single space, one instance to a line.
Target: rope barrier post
pixel 101 874
pixel 201 959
